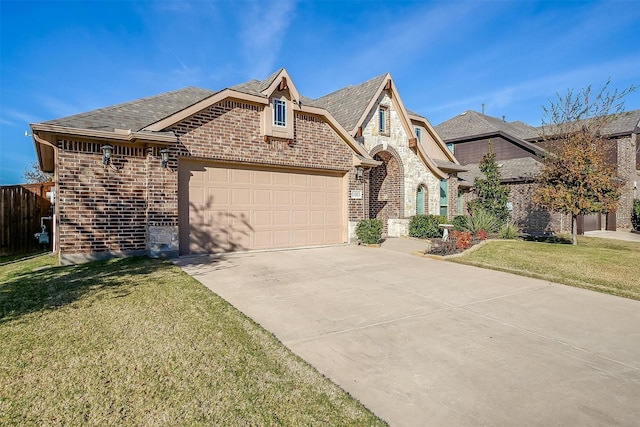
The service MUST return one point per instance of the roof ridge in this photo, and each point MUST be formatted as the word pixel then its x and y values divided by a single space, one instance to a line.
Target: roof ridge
pixel 352 86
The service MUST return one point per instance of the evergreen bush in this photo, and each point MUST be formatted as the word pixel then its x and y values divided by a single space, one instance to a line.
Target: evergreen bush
pixel 369 231
pixel 635 217
pixel 426 226
pixel 461 223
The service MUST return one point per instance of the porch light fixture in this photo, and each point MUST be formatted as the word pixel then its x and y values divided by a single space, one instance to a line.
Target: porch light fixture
pixel 164 156
pixel 359 172
pixel 107 151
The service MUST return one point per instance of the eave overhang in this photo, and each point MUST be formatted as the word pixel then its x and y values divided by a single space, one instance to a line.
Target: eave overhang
pixel 45 138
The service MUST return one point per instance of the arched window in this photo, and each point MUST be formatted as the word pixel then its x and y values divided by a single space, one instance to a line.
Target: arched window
pixel 420 198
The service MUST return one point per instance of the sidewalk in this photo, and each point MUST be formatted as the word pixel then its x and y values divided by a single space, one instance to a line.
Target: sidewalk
pixel 616 235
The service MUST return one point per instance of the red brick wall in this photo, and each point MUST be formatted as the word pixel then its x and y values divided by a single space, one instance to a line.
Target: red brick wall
pixel 230 131
pixel 107 209
pixel 385 193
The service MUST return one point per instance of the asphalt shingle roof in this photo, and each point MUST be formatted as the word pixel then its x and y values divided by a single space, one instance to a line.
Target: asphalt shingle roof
pixel 348 104
pixel 623 123
pixel 472 123
pixel 510 170
pixel 135 115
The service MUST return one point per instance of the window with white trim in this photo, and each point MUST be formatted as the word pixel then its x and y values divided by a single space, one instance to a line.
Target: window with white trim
pixel 383 116
pixel 279 112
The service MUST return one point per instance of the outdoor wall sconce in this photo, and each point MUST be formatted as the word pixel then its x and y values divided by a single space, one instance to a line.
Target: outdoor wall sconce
pixel 164 156
pixel 107 151
pixel 359 172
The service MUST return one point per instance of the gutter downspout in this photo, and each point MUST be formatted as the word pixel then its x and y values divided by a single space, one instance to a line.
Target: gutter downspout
pixel 54 224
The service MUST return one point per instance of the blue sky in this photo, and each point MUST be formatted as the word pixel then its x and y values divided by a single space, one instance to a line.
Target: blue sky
pixel 62 58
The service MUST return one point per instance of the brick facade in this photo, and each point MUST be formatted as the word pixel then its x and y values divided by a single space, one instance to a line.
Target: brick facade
pixel 627 171
pixel 131 206
pixel 106 209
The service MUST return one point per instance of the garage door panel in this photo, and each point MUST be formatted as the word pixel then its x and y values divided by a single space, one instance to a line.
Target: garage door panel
pixel 240 219
pixel 317 236
pixel 300 237
pixel 262 177
pixel 216 195
pixel 236 208
pixel 332 200
pixel 262 239
pixel 262 218
pixel 240 176
pixel 300 218
pixel 332 218
pixel 282 238
pixel 262 196
pixel 282 197
pixel 239 240
pixel 240 196
pixel 299 180
pixel 316 218
pixel 282 218
pixel 300 198
pixel 215 175
pixel 317 198
pixel 283 179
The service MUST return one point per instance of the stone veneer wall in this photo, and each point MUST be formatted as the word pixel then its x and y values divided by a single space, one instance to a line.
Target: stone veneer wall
pixel 415 172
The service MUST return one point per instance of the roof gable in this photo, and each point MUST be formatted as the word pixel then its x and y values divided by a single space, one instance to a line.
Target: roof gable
pixel 351 104
pixel 471 123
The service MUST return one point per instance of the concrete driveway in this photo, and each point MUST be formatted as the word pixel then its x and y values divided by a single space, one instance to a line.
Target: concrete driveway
pixel 423 342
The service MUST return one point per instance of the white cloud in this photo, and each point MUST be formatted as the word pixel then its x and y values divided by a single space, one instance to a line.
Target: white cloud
pixel 263 30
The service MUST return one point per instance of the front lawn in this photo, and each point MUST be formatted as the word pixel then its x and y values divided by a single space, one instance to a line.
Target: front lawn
pixel 603 265
pixel 138 342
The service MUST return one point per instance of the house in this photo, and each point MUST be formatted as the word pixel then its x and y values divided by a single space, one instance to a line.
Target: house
pixel 519 148
pixel 253 166
pixel 418 174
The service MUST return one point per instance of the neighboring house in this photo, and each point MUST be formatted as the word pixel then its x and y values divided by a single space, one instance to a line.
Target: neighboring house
pixel 253 166
pixel 518 149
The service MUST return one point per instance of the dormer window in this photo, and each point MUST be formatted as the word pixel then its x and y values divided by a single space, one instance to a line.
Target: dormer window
pixel 279 112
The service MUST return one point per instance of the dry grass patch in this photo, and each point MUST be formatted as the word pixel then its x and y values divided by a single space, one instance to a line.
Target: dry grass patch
pixel 608 266
pixel 138 342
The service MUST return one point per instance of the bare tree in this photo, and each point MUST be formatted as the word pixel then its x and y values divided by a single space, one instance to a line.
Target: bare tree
pixel 34 174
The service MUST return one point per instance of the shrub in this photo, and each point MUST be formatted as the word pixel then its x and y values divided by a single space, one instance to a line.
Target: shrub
pixel 483 220
pixel 480 235
pixel 461 223
pixel 369 231
pixel 509 231
pixel 426 226
pixel 635 217
pixel 462 239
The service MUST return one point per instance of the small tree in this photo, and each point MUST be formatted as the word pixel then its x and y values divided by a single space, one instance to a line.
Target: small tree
pixel 492 195
pixel 34 174
pixel 575 178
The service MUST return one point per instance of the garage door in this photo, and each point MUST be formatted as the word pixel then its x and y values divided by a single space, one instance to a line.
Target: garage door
pixel 239 208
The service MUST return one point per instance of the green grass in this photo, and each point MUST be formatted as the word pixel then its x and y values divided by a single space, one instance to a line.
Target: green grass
pixel 608 266
pixel 138 342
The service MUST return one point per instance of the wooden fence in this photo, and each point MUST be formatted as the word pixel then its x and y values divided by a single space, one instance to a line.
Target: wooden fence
pixel 21 208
